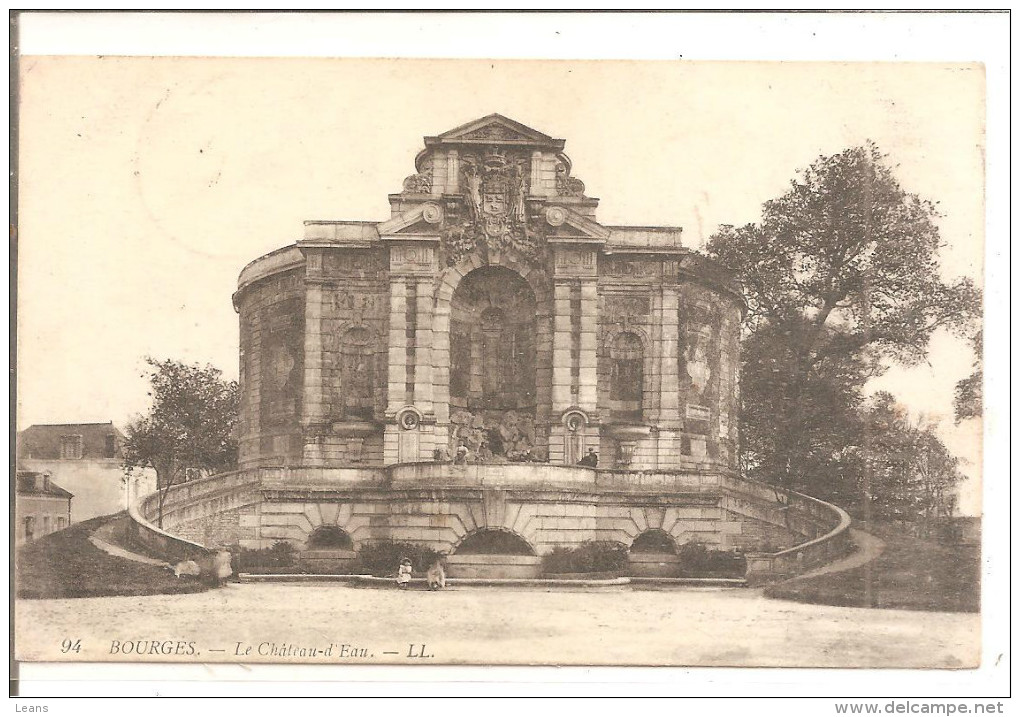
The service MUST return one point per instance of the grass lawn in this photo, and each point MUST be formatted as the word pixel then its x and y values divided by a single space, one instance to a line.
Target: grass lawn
pixel 66 565
pixel 910 574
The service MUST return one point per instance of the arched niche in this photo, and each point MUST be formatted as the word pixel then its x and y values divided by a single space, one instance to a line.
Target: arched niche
pixel 329 537
pixel 654 541
pixel 357 394
pixel 490 541
pixel 626 380
pixel 492 342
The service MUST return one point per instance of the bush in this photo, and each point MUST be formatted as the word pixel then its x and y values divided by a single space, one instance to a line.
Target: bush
pixel 588 557
pixel 281 555
pixel 383 557
pixel 696 560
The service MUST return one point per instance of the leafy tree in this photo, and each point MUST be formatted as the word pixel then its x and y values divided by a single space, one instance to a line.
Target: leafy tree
pixel 841 276
pixel 968 401
pixel 189 426
pixel 911 476
pixel 798 427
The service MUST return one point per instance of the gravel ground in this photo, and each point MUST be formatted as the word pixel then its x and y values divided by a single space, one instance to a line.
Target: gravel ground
pixel 465 625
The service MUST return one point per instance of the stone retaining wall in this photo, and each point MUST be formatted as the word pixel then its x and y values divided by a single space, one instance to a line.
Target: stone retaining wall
pixel 493 566
pixel 544 505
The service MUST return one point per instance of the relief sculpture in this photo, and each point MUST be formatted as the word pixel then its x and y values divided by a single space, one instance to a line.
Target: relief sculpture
pixel 495 186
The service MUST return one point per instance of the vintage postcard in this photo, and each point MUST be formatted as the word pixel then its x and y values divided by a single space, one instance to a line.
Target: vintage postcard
pixel 465 362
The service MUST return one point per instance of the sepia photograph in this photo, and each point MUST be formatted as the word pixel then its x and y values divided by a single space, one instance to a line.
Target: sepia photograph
pixel 352 361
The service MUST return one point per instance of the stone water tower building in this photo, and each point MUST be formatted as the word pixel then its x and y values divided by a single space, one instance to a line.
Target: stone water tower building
pixel 492 311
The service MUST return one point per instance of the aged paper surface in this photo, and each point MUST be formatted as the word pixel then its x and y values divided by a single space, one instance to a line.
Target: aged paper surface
pixel 172 174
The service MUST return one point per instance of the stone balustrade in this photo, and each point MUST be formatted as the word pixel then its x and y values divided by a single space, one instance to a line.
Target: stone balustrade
pixel 824 528
pixel 183 502
pixel 833 544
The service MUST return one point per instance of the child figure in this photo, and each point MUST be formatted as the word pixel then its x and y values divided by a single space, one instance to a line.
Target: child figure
pixel 404 573
pixel 436 575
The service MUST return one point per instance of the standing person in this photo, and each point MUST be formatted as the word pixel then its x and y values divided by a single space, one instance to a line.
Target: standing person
pixel 404 573
pixel 436 574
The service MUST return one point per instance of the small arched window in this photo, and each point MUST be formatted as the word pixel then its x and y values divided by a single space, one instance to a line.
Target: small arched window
pixel 357 373
pixel 626 386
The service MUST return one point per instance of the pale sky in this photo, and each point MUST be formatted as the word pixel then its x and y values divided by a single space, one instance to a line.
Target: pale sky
pixel 148 183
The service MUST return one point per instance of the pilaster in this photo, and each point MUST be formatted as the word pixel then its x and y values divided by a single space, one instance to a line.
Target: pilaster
pixel 423 348
pixel 561 347
pixel 588 397
pixel 396 370
pixel 669 360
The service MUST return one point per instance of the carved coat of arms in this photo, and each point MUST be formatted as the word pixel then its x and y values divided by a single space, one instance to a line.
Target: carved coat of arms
pixel 495 186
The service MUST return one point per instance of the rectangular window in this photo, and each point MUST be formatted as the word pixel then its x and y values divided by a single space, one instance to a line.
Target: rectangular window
pixel 111 446
pixel 61 522
pixel 71 447
pixel 30 527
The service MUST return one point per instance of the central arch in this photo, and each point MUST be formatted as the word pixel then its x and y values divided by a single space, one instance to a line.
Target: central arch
pixel 492 341
pixel 493 370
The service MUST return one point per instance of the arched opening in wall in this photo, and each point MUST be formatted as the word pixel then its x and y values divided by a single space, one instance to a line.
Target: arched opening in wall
pixel 329 537
pixel 654 541
pixel 493 326
pixel 626 387
pixel 494 542
pixel 357 374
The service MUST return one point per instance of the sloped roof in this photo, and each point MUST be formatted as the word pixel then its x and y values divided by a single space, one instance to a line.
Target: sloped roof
pixel 42 441
pixel 33 483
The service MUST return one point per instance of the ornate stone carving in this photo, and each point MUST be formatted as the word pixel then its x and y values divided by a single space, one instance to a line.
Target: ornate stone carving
pixel 420 183
pixel 432 213
pixel 281 366
pixel 555 216
pixel 408 419
pixel 567 186
pixel 696 358
pixel 575 421
pixel 495 187
pixel 575 262
pixel 414 259
pixel 619 308
pixel 494 131
pixel 346 262
pixel 616 266
pixel 358 369
pixel 360 304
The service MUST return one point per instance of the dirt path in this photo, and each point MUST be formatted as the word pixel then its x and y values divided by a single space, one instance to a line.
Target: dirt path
pixel 687 626
pixel 869 547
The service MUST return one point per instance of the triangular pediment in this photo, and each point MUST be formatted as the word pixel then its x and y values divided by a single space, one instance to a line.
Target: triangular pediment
pixel 565 223
pixel 495 129
pixel 419 227
pixel 420 219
